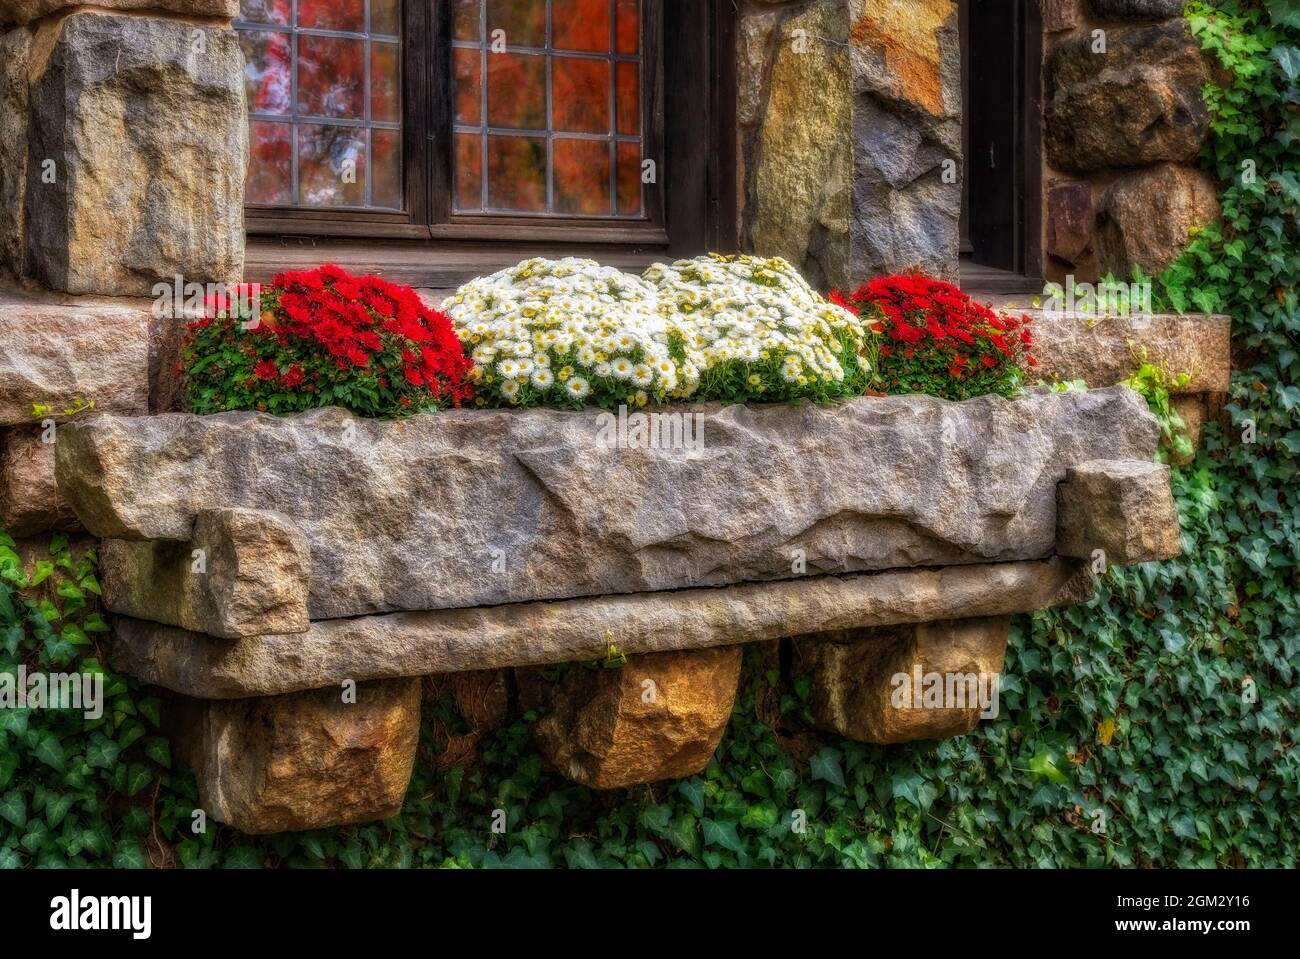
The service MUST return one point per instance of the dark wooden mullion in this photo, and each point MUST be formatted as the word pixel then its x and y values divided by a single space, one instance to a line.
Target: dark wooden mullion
pixel 435 139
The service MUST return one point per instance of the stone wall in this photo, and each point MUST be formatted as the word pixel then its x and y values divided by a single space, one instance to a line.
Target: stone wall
pixel 849 120
pixel 1123 122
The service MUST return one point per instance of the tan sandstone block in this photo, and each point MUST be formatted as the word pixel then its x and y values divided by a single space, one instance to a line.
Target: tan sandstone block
pixel 1124 508
pixel 245 572
pixel 894 685
pixel 303 761
pixel 657 717
pixel 29 496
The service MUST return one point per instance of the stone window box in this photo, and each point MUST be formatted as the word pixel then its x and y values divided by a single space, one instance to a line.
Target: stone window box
pixel 255 563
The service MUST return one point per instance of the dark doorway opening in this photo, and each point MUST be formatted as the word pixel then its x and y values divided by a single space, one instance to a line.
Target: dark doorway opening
pixel 1001 43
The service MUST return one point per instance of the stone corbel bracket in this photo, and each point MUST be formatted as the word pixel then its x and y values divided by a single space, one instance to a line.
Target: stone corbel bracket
pixel 1117 512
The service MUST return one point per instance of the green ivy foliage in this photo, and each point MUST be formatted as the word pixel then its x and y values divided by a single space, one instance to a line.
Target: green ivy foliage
pixel 1154 726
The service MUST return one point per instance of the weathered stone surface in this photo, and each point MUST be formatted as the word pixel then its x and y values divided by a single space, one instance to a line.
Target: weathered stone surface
pixel 1125 509
pixel 55 351
pixel 1070 222
pixel 1139 102
pixel 307 761
pixel 799 202
pixel 906 75
pixel 1194 410
pixel 1102 351
pixel 534 634
pixel 1145 218
pixel 468 508
pixel 29 496
pixel 1137 9
pixel 25 11
pixel 15 48
pixel 1060 15
pixel 657 717
pixel 150 141
pixel 249 578
pixel 928 681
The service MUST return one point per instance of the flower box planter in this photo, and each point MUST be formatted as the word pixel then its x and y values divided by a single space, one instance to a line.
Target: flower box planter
pixel 261 560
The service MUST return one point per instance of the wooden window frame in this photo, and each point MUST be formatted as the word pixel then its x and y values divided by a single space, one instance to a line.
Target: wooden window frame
pixel 688 46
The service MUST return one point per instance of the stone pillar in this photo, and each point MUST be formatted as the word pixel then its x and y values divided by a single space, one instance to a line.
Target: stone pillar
pixel 850 132
pixel 659 716
pixel 902 683
pixel 125 143
pixel 301 761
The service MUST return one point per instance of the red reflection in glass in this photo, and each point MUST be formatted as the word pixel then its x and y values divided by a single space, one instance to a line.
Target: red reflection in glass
pixel 465 71
pixel 385 83
pixel 629 26
pixel 384 17
pixel 628 97
pixel 580 25
pixel 517 174
pixel 347 15
pixel 331 77
pixel 581 101
pixel 465 20
pixel 331 166
pixel 270 163
pixel 629 179
pixel 266 11
pixel 517 91
pixel 524 22
pixel 386 168
pixel 469 171
pixel 267 58
pixel 582 177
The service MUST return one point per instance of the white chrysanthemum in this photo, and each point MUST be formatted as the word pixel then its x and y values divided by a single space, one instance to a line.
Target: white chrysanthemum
pixel 621 368
pixel 578 387
pixel 543 378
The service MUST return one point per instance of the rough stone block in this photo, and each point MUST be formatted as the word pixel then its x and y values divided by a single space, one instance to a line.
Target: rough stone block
pixel 1123 508
pixel 149 138
pixel 535 634
pixel 1137 9
pixel 928 681
pixel 1070 222
pixel 15 48
pixel 1137 103
pixel 56 351
pixel 1061 15
pixel 1104 350
pixel 244 573
pixel 1146 218
pixel 25 11
pixel 306 761
pixel 469 508
pixel 29 496
pixel 657 717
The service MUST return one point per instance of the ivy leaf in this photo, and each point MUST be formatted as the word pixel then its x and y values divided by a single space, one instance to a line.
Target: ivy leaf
pixel 50 751
pixel 721 834
pixel 13 807
pixel 825 765
pixel 1044 764
pixel 160 752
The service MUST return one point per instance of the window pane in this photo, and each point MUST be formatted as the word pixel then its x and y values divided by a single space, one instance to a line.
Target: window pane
pixel 517 91
pixel 580 94
pixel 267 11
pixel 582 178
pixel 629 179
pixel 331 77
pixel 384 17
pixel 331 165
pixel 267 63
pixel 386 162
pixel 523 22
pixel 629 26
pixel 338 95
pixel 270 163
pixel 469 172
pixel 516 173
pixel 581 25
pixel 347 15
pixel 385 80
